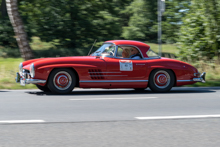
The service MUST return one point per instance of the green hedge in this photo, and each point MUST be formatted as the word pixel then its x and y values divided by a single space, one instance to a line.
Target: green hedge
pixel 61 52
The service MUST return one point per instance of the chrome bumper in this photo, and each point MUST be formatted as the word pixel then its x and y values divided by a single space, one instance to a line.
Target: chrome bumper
pixel 23 80
pixel 201 78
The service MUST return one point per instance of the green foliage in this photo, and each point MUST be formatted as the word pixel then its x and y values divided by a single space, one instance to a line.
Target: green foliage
pixel 76 24
pixel 8 69
pixel 10 52
pixel 7 35
pixel 200 32
pixel 47 49
pixel 60 52
pixel 51 52
pixel 142 21
pixel 172 19
pixel 73 23
pixel 7 38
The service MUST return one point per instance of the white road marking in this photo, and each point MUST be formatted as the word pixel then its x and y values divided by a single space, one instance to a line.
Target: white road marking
pixel 91 99
pixel 179 117
pixel 21 121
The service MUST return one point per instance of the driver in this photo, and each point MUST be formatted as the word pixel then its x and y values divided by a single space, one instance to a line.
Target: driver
pixel 135 54
pixel 126 53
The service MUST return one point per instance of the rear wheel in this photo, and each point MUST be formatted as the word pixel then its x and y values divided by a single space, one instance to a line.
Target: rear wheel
pixel 62 81
pixel 161 80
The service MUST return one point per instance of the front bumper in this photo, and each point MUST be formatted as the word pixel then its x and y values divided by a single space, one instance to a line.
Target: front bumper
pixel 201 78
pixel 23 80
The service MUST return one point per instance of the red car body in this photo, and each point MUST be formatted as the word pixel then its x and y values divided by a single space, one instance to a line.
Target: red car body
pixel 105 68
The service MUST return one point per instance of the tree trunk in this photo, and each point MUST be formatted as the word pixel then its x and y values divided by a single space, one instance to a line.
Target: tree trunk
pixel 21 36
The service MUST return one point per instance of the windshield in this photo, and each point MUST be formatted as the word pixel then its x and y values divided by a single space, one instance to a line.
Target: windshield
pixel 151 53
pixel 105 49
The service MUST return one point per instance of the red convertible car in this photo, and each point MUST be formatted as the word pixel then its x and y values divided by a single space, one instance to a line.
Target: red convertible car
pixel 106 68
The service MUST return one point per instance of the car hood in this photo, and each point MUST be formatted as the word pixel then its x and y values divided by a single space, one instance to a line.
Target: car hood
pixel 58 60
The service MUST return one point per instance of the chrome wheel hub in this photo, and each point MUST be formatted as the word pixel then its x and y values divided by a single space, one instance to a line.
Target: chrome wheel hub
pixel 62 80
pixel 161 79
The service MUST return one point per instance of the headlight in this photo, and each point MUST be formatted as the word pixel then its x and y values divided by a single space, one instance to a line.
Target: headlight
pixel 20 68
pixel 32 72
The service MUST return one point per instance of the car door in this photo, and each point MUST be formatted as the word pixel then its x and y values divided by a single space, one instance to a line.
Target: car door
pixel 126 69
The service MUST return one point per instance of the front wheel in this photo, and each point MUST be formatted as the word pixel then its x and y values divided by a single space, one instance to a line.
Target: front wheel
pixel 62 81
pixel 161 80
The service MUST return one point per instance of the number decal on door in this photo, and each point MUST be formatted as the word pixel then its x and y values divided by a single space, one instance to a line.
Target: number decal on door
pixel 126 65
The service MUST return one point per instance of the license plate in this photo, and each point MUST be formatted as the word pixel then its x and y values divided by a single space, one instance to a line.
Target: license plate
pixel 22 82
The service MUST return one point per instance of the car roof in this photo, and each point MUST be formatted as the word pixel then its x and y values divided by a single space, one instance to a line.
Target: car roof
pixel 142 46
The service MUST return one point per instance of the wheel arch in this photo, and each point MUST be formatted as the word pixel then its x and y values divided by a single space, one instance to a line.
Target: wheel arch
pixel 72 69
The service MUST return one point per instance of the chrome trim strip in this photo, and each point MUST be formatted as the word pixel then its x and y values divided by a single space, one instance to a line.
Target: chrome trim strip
pixel 108 75
pixel 152 58
pixel 201 78
pixel 184 80
pixel 34 81
pixel 197 79
pixel 104 72
pixel 197 74
pixel 114 81
pixel 129 58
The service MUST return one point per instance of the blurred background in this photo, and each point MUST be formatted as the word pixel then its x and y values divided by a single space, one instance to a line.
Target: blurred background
pixel 190 31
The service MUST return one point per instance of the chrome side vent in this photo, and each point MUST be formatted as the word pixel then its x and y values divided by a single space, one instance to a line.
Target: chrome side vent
pixel 96 74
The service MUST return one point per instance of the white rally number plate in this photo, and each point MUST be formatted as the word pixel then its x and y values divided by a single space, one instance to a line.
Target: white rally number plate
pixel 22 82
pixel 126 65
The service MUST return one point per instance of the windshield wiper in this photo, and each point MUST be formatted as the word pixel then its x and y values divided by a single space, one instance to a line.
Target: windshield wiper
pixel 92 47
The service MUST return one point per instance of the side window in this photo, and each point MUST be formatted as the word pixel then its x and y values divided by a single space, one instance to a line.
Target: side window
pixel 124 51
pixel 151 53
pixel 119 52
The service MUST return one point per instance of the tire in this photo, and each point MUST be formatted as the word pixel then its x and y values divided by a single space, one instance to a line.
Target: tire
pixel 161 80
pixel 43 88
pixel 62 81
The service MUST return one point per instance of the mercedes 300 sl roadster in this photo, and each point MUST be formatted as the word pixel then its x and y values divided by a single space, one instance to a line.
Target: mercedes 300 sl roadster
pixel 106 68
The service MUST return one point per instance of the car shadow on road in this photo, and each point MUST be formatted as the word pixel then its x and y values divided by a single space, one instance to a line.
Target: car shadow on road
pixel 194 90
pixel 3 91
pixel 175 90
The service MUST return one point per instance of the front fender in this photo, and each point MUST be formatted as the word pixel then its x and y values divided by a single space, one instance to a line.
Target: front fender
pixel 67 66
pixel 43 72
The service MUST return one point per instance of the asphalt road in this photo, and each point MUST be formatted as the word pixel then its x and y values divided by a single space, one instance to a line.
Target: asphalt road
pixel 184 117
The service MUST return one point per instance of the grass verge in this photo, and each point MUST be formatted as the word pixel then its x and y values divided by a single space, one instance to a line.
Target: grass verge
pixel 8 69
pixel 206 84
